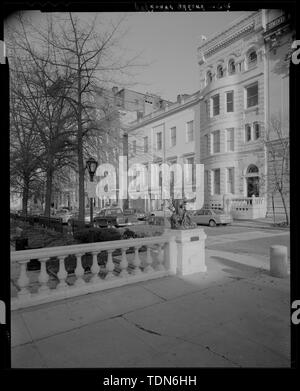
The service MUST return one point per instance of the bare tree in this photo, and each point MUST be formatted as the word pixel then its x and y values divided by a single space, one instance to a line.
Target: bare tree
pixel 86 58
pixel 278 146
pixel 86 55
pixel 24 153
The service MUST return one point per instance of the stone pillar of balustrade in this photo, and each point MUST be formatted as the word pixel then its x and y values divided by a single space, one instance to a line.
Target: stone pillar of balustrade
pixel 190 250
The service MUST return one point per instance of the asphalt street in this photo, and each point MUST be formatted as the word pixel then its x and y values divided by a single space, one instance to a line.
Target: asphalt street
pixel 243 240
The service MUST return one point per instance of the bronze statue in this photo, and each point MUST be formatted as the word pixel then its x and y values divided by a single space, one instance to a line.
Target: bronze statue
pixel 180 218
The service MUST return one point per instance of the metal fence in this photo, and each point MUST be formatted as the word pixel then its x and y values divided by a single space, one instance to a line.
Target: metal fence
pixel 48 222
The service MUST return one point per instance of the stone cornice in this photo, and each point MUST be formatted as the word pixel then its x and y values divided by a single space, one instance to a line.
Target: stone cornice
pixel 155 116
pixel 228 36
pixel 227 41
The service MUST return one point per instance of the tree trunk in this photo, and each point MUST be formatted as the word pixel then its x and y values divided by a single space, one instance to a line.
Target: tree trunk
pixel 285 207
pixel 49 177
pixel 25 196
pixel 273 208
pixel 81 167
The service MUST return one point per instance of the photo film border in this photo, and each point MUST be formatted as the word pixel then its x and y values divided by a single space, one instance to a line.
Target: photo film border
pixel 95 376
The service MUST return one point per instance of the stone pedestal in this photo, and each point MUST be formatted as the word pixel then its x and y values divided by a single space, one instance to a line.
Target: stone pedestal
pixel 278 261
pixel 190 251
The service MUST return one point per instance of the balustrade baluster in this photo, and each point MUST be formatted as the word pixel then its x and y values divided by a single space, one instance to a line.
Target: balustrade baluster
pixel 23 280
pixel 160 257
pixel 43 277
pixel 149 260
pixel 124 263
pixel 110 266
pixel 95 269
pixel 79 271
pixel 136 261
pixel 62 274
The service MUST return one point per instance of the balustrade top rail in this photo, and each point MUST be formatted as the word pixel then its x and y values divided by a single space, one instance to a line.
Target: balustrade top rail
pixel 48 252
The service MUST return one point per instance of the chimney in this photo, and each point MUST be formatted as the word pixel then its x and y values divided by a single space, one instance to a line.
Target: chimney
pixel 179 98
pixel 115 90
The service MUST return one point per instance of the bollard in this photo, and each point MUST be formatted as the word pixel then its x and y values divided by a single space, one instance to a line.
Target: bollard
pixel 278 261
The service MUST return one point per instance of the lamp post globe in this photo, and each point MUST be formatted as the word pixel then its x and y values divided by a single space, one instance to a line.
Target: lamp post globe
pixel 91 166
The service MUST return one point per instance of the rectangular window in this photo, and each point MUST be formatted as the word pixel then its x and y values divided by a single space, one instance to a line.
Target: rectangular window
pixel 206 181
pixel 230 140
pixel 256 131
pixel 248 133
pixel 207 108
pixel 159 141
pixel 145 144
pixel 216 181
pixel 206 145
pixel 216 105
pixel 216 141
pixel 134 147
pixel 190 131
pixel 173 136
pixel 252 95
pixel 191 170
pixel 229 101
pixel 230 180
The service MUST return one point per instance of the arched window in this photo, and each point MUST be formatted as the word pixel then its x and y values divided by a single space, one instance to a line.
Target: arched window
pixel 252 169
pixel 252 58
pixel 231 67
pixel 208 77
pixel 220 72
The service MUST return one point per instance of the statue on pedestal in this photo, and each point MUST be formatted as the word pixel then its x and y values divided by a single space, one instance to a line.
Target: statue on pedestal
pixel 180 218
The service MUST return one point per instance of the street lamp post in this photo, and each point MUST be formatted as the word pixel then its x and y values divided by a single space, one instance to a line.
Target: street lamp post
pixel 91 165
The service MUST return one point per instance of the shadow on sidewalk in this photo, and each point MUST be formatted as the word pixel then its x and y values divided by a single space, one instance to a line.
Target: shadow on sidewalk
pixel 234 267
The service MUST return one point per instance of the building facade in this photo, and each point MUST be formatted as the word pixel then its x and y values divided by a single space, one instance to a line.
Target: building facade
pixel 113 110
pixel 166 136
pixel 242 88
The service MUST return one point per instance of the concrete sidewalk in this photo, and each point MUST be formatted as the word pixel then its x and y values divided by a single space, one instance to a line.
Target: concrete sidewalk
pixel 266 222
pixel 235 315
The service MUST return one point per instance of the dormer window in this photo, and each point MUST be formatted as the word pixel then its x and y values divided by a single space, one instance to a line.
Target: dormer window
pixel 231 67
pixel 220 72
pixel 208 77
pixel 252 58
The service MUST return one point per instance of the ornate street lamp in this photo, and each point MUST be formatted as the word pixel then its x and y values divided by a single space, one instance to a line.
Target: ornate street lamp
pixel 91 166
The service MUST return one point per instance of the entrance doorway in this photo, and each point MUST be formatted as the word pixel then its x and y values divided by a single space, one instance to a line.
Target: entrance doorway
pixel 252 179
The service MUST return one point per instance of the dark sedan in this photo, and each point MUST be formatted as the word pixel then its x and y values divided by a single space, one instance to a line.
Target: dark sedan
pixel 109 217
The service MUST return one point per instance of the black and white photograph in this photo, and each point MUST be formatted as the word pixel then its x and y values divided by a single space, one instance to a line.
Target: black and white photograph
pixel 149 188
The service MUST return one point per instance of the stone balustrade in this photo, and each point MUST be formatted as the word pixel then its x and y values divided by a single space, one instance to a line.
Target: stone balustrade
pixel 125 261
pixel 248 207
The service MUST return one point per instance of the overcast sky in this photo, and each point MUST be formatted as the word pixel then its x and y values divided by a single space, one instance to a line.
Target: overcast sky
pixel 170 41
pixel 167 42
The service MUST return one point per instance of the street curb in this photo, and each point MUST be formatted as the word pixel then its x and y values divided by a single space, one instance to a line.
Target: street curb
pixel 262 226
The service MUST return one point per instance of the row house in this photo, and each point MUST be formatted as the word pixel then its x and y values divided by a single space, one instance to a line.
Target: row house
pixel 167 136
pixel 113 109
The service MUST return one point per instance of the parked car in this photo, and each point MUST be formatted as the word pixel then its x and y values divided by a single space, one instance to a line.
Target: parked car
pixel 114 217
pixel 64 214
pixel 140 215
pixel 161 213
pixel 211 217
pixel 75 216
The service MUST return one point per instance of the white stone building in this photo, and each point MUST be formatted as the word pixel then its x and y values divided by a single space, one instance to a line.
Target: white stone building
pixel 240 89
pixel 231 66
pixel 244 82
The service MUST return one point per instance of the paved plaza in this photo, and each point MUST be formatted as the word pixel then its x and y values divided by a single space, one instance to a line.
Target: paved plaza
pixel 235 315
